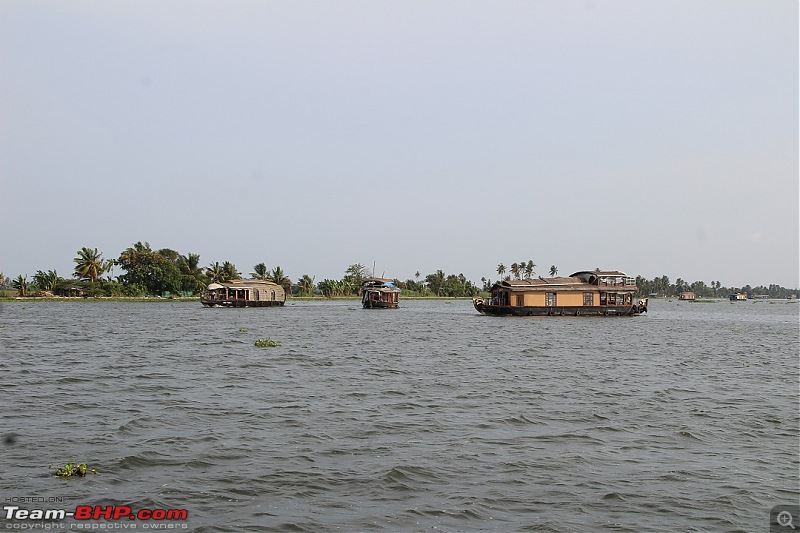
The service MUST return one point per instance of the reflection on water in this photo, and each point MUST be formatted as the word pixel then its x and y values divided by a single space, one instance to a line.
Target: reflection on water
pixel 429 416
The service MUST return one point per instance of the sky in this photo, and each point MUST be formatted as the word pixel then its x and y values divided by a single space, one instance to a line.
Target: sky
pixel 656 138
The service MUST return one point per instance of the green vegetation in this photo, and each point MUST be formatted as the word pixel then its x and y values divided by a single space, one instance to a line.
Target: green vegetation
pixel 166 273
pixel 73 470
pixel 267 343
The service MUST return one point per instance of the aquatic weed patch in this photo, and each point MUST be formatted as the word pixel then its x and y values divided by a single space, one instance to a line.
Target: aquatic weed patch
pixel 73 470
pixel 267 343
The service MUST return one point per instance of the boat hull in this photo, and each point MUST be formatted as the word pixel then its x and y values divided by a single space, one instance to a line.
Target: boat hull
pixel 372 304
pixel 595 310
pixel 241 303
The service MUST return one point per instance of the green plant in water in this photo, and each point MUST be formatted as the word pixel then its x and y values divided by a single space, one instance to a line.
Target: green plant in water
pixel 267 343
pixel 73 469
pixel 243 330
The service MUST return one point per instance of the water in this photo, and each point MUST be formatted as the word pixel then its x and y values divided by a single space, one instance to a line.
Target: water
pixel 426 418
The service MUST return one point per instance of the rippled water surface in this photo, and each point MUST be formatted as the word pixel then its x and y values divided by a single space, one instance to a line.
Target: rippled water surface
pixel 429 417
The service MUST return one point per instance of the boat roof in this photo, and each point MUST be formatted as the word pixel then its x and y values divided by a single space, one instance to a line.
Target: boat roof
pixel 599 273
pixel 241 283
pixel 382 284
pixel 584 278
pixel 549 284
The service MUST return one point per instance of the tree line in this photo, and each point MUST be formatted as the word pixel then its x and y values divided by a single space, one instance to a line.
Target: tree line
pixel 165 272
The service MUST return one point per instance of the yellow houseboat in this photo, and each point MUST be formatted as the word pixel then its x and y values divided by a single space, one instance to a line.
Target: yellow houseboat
pixel 243 293
pixel 379 293
pixel 595 293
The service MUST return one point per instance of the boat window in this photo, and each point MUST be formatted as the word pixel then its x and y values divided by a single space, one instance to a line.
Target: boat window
pixel 588 298
pixel 550 299
pixel 520 300
pixel 603 298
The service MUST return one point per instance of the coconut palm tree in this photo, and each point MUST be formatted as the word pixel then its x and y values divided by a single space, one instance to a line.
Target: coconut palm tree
pixel 260 271
pixel 215 272
pixel 108 267
pixel 230 271
pixel 553 271
pixel 529 269
pixel 515 270
pixel 193 272
pixel 89 264
pixel 279 276
pixel 501 269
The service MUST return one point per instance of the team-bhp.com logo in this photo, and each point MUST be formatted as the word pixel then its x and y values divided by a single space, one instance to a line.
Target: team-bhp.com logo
pixel 97 512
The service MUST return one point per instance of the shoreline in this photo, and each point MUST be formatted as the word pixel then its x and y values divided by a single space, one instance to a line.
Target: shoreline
pixel 197 298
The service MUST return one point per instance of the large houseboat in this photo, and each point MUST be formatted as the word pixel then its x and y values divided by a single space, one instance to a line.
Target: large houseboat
pixel 243 293
pixel 737 297
pixel 379 293
pixel 586 293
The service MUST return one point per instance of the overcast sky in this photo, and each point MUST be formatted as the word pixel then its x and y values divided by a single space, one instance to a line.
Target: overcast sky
pixel 656 138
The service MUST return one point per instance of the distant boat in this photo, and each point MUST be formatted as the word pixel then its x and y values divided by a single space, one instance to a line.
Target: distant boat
pixel 379 293
pixel 737 297
pixel 586 293
pixel 243 293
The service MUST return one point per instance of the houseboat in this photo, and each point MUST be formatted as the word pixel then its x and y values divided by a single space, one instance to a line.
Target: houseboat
pixel 687 295
pixel 737 297
pixel 379 293
pixel 243 293
pixel 595 293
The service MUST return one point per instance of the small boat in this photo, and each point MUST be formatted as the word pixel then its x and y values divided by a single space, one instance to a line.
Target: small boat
pixel 585 293
pixel 243 293
pixel 379 293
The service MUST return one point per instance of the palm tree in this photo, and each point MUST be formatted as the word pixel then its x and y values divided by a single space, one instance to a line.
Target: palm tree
pixel 553 271
pixel 194 272
pixel 108 266
pixel 529 268
pixel 515 270
pixel 260 271
pixel 215 272
pixel 279 276
pixel 21 285
pixel 501 269
pixel 230 271
pixel 89 264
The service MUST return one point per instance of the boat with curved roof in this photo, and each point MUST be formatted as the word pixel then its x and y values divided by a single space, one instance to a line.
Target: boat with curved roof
pixel 379 293
pixel 584 293
pixel 243 293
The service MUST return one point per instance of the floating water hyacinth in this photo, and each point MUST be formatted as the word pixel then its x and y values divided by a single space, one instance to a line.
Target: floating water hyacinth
pixel 73 469
pixel 267 343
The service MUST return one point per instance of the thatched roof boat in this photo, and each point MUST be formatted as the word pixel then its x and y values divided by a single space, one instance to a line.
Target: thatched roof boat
pixel 584 293
pixel 379 293
pixel 243 293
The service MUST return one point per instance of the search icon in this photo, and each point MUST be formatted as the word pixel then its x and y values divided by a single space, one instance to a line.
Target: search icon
pixel 785 519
